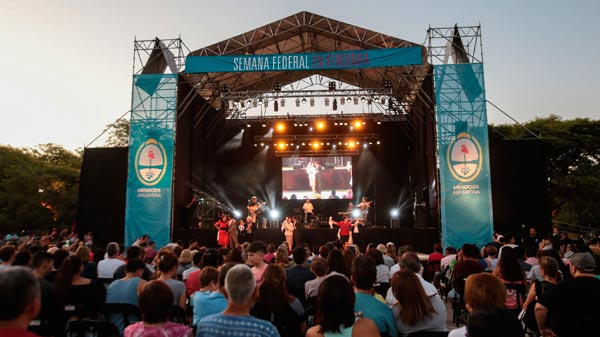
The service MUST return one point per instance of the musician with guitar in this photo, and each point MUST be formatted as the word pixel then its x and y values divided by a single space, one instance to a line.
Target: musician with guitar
pixel 364 208
pixel 255 210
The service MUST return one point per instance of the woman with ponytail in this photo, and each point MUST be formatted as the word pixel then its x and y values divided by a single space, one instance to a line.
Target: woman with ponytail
pixel 79 296
pixel 550 270
pixel 167 266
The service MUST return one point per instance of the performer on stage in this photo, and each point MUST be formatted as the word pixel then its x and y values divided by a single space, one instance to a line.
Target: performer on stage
pixel 254 209
pixel 344 226
pixel 311 171
pixel 364 209
pixel 287 227
pixel 232 231
pixel 356 233
pixel 222 236
pixel 308 210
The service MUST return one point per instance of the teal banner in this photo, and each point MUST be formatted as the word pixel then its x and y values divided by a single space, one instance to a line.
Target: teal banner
pixel 151 144
pixel 371 58
pixel 465 186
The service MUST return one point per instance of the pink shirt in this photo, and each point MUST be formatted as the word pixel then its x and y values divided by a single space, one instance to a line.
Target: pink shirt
pixel 168 329
pixel 258 273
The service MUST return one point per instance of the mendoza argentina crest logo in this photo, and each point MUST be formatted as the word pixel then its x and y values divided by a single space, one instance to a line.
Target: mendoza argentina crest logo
pixel 464 157
pixel 150 162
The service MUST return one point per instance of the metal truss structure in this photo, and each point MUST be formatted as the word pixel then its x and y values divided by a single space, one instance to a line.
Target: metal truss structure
pixel 307 32
pixel 461 45
pixel 149 56
pixel 442 43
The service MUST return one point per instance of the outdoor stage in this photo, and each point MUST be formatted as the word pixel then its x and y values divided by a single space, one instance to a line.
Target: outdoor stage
pixel 422 240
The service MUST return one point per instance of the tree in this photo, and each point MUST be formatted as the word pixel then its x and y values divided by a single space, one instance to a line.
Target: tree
pixel 572 164
pixel 56 155
pixel 119 134
pixel 35 193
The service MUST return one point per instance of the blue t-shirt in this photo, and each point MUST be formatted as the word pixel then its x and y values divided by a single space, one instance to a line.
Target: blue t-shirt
pixel 219 325
pixel 377 312
pixel 177 287
pixel 207 303
pixel 123 291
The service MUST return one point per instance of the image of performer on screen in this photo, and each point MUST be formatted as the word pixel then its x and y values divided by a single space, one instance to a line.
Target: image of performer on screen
pixel 308 209
pixel 311 171
pixel 318 183
pixel 345 226
pixel 222 227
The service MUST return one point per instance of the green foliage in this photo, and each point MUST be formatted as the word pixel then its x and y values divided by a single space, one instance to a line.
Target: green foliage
pixel 119 134
pixel 572 153
pixel 38 188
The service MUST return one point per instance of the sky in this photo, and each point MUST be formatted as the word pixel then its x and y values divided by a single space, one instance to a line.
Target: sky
pixel 67 65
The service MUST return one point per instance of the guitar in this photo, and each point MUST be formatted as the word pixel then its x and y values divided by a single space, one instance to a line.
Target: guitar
pixel 365 204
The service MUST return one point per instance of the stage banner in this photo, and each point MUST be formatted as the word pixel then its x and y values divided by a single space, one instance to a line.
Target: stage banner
pixel 465 185
pixel 371 58
pixel 151 144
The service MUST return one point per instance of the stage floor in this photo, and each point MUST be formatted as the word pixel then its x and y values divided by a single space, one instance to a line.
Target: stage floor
pixel 422 240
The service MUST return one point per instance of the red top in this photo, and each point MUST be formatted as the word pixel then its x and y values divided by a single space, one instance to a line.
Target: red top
pixel 344 227
pixel 16 332
pixel 192 284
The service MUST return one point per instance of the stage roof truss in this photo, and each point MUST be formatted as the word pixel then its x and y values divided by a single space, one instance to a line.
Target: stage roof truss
pixel 307 32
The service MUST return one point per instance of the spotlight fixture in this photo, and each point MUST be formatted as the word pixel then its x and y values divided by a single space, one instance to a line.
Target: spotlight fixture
pixel 363 99
pixel 237 213
pixel 355 213
pixel 277 87
pixel 331 85
pixel 387 84
pixel 248 125
pixel 357 124
pixel 348 99
pixel 225 88
pixel 320 125
pixel 378 142
pixel 280 127
pixel 264 125
pixel 304 101
pixel 274 214
pixel 394 213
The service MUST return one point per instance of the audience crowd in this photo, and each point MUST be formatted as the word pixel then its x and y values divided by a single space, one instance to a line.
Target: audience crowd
pixel 540 287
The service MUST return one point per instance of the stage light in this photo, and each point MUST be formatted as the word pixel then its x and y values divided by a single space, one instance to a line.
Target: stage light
pixel 322 144
pixel 280 126
pixel 295 124
pixel 387 84
pixel 248 125
pixel 334 146
pixel 378 142
pixel 365 145
pixel 264 125
pixel 348 99
pixel 340 143
pixel 237 213
pixel 394 213
pixel 315 145
pixel 376 99
pixel 351 128
pixel 378 122
pixel 357 124
pixel 271 130
pixel 351 144
pixel 328 144
pixel 267 146
pixel 225 88
pixel 320 125
pixel 277 87
pixel 303 144
pixel 335 123
pixel 310 129
pixel 249 101
pixel 363 99
pixel 255 144
pixel 356 213
pixel 304 101
pixel 274 214
pixel 331 85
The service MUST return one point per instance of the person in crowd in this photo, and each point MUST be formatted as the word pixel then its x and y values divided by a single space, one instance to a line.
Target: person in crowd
pixel 383 272
pixel 126 289
pixel 335 311
pixel 167 265
pixel 391 252
pixel 22 258
pixel 107 267
pixel 155 303
pixel 492 258
pixel 417 310
pixel 133 253
pixel 150 251
pixel 90 268
pixel 436 257
pixel 387 260
pixel 20 294
pixel 275 305
pixel 552 276
pixel 214 302
pixel 270 256
pixel 410 261
pixel 462 269
pixel 364 274
pixel 185 262
pixel 210 258
pixel 297 275
pixel 494 322
pixel 319 268
pixel 337 264
pixel 49 315
pixel 7 256
pixel 483 291
pixel 235 320
pixel 349 257
pixel 532 240
pixel 573 304
pixel 81 297
pixel 282 256
pixel 209 283
pixel 509 271
pixel 256 253
pixel 196 258
pixel 531 255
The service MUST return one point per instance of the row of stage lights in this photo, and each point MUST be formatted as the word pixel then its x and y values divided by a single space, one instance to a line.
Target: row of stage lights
pixel 315 144
pixel 319 125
